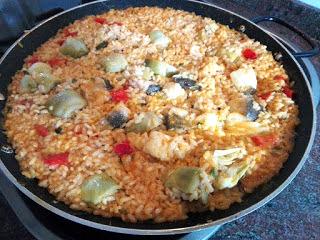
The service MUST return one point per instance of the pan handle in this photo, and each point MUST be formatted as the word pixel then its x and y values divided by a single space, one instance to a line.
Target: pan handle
pixel 311 53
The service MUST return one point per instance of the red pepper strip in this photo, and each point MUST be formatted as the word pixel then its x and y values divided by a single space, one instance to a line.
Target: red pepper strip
pixel 41 130
pixel 119 95
pixel 265 140
pixel 32 60
pixel 100 20
pixel 56 62
pixel 123 148
pixel 67 33
pixel 56 159
pixel 265 96
pixel 287 91
pixel 249 54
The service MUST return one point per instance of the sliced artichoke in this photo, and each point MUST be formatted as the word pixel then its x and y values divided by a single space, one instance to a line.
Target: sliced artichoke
pixel 74 48
pixel 228 156
pixel 97 187
pixel 39 68
pixel 27 84
pixel 46 82
pixel 157 37
pixel 114 63
pixel 65 103
pixel 161 68
pixel 144 122
pixel 231 176
pixel 185 179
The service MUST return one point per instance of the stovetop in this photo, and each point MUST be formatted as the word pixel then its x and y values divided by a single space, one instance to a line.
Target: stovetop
pixel 47 224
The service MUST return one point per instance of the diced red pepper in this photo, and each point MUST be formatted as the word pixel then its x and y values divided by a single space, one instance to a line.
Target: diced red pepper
pixel 104 21
pixel 265 96
pixel 57 159
pixel 123 148
pixel 100 20
pixel 32 60
pixel 119 95
pixel 41 130
pixel 67 33
pixel 287 91
pixel 57 62
pixel 60 41
pixel 265 140
pixel 249 54
pixel 279 78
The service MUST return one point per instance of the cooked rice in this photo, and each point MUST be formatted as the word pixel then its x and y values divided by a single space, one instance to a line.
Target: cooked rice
pixel 200 47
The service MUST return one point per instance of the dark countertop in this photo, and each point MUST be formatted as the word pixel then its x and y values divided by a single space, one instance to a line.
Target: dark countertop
pixel 294 213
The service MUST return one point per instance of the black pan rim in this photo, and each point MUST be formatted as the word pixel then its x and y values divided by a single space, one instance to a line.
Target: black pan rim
pixel 181 230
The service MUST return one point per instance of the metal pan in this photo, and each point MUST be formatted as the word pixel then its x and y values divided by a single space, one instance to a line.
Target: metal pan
pixel 13 60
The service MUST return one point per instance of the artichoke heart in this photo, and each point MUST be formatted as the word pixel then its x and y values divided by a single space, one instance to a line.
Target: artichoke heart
pixel 97 187
pixel 185 179
pixel 74 48
pixel 157 37
pixel 161 68
pixel 65 103
pixel 144 122
pixel 231 176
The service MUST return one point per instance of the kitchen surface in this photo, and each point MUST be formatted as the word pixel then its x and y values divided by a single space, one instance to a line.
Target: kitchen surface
pixel 295 212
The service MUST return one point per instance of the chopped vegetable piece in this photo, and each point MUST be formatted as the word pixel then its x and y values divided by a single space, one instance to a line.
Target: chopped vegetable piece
pixel 231 176
pixel 118 117
pixel 244 79
pixel 57 62
pixel 265 96
pixel 280 77
pixel 119 95
pixel 97 187
pixel 161 68
pixel 249 54
pixel 287 91
pixel 144 122
pixel 58 130
pixel 102 45
pixel 265 140
pixel 214 172
pixel 65 103
pixel 157 37
pixel 107 84
pixel 187 83
pixel 41 130
pixel 74 48
pixel 123 148
pixel 114 63
pixel 227 156
pixel 153 89
pixel 100 20
pixel 27 84
pixel 56 159
pixel 174 121
pixel 185 179
pixel 39 68
pixel 32 60
pixel 253 110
